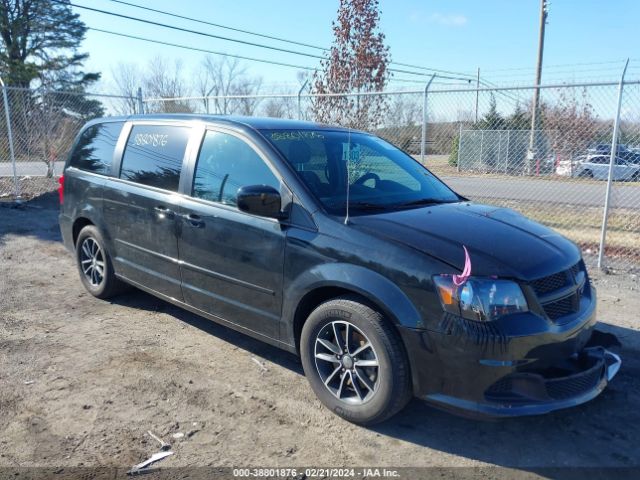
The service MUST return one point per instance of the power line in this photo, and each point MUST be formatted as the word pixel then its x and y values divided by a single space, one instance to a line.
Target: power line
pixel 270 37
pixel 187 30
pixel 561 72
pixel 562 65
pixel 186 47
pixel 196 49
pixel 128 17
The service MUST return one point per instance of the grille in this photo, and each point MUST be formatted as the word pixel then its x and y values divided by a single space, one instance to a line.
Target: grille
pixel 522 388
pixel 550 283
pixel 547 285
pixel 562 307
pixel 562 388
pixel 575 269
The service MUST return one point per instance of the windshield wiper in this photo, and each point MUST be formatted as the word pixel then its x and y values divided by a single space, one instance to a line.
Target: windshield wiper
pixel 423 201
pixel 367 206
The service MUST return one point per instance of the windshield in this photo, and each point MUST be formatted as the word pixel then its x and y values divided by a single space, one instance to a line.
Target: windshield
pixel 380 176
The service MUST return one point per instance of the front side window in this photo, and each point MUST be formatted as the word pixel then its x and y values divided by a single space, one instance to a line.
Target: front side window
pixel 379 175
pixel 153 155
pixel 225 164
pixel 94 150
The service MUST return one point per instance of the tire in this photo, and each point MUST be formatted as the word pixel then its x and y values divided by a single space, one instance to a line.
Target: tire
pixel 97 276
pixel 350 385
pixel 585 174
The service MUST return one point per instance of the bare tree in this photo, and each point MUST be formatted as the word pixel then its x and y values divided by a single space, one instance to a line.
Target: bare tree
pixel 164 83
pixel 218 79
pixel 404 111
pixel 570 123
pixel 248 88
pixel 281 107
pixel 357 63
pixel 127 79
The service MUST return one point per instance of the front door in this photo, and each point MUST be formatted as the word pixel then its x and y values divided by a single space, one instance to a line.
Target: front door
pixel 232 262
pixel 141 207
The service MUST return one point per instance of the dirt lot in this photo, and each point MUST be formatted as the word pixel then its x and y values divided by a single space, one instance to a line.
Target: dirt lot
pixel 82 381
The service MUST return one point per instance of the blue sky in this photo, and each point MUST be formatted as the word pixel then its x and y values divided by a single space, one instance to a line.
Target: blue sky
pixel 499 36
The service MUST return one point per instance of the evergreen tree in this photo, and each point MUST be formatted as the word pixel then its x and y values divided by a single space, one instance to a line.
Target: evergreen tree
pixel 492 120
pixel 39 40
pixel 39 47
pixel 520 119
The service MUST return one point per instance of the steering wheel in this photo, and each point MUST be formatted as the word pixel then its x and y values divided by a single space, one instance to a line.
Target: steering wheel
pixel 367 176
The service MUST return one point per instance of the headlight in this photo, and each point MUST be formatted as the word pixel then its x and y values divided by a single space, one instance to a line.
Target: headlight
pixel 480 299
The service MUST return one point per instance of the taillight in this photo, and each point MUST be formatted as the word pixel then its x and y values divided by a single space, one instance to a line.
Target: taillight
pixel 61 189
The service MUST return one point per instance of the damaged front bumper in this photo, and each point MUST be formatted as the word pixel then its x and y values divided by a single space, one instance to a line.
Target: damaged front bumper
pixel 569 383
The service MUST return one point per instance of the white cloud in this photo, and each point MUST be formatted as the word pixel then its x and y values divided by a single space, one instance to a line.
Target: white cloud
pixel 448 19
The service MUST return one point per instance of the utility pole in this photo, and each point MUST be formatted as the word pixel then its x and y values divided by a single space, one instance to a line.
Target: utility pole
pixel 531 154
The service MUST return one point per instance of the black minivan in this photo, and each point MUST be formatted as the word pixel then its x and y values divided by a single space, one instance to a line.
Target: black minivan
pixel 335 245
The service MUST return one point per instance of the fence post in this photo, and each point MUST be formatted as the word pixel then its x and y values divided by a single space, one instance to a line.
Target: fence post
pixel 612 159
pixel 300 98
pixel 459 147
pixel 5 99
pixel 423 140
pixel 140 102
pixel 506 158
pixel 477 95
pixel 481 142
pixel 499 149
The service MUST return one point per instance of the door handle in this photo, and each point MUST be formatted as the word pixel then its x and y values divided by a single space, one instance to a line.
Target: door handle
pixel 193 220
pixel 164 212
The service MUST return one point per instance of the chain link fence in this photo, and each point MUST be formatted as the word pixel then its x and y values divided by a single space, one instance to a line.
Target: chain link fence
pixel 478 140
pixel 37 133
pixel 557 173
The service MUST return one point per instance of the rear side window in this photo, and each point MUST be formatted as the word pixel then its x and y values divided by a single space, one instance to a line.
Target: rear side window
pixel 225 164
pixel 94 150
pixel 153 155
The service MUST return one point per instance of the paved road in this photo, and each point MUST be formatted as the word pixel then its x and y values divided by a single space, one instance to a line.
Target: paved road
pixel 575 192
pixel 31 169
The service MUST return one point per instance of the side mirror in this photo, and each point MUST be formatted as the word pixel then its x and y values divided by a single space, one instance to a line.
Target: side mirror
pixel 261 200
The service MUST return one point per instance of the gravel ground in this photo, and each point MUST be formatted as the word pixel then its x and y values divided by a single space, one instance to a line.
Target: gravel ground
pixel 83 380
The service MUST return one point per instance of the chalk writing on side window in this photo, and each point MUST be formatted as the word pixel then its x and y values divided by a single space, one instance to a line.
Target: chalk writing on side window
pixel 151 139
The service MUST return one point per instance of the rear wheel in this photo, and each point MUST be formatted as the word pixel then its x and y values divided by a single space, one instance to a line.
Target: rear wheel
pixel 94 264
pixel 355 361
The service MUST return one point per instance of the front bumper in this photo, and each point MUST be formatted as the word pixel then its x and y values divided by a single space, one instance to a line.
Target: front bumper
pixel 524 365
pixel 573 382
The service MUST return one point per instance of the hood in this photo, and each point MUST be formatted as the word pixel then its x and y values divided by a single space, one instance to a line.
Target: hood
pixel 500 241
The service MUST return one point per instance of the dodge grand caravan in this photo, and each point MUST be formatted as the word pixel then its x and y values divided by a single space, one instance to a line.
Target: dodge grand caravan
pixel 335 245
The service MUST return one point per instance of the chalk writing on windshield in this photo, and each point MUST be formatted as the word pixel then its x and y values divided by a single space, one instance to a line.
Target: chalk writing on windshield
pixel 296 135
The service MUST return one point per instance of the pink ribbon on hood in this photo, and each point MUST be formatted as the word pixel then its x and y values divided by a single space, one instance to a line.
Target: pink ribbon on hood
pixel 459 280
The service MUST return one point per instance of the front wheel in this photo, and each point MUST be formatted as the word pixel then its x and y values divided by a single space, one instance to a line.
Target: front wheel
pixel 94 264
pixel 355 361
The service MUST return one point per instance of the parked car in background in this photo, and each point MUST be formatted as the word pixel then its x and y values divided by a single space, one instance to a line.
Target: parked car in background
pixel 623 151
pixel 597 167
pixel 605 149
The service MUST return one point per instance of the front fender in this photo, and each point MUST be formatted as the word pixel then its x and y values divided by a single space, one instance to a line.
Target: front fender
pixel 376 288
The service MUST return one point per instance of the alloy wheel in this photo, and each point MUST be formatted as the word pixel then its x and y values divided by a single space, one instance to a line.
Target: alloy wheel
pixel 92 261
pixel 347 362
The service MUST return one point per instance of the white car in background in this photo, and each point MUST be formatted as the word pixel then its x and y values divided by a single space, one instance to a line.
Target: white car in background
pixel 597 167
